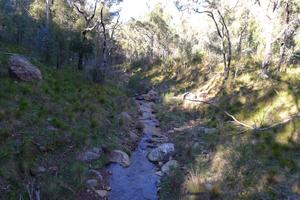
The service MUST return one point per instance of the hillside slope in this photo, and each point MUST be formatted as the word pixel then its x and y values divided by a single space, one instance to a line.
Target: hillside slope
pixel 220 158
pixel 45 125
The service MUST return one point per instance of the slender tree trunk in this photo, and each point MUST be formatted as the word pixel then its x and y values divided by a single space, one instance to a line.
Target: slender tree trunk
pixel 268 51
pixel 271 17
pixel 47 23
pixel 59 57
pixel 57 61
pixel 47 13
pixel 101 71
pixel 82 52
pixel 80 60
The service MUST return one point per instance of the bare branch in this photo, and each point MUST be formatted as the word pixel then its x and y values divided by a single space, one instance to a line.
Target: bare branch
pixel 80 11
pixel 246 126
pixel 94 11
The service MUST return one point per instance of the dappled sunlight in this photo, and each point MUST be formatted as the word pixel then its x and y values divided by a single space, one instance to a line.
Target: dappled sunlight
pixel 194 183
pixel 273 110
pixel 289 133
pixel 292 75
pixel 252 81
pixel 207 177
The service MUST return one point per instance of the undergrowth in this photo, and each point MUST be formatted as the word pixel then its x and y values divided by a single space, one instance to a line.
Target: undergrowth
pixel 232 163
pixel 47 123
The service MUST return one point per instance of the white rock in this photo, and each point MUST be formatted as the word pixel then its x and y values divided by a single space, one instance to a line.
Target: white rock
pixel 162 152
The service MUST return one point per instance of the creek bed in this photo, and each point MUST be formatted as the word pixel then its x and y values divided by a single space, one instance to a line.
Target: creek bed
pixel 138 181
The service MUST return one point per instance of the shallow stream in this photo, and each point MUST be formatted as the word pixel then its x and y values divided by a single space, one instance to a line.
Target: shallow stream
pixel 138 181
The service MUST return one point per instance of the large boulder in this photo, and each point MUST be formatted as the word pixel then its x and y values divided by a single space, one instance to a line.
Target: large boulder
pixel 117 156
pixel 162 152
pixel 22 69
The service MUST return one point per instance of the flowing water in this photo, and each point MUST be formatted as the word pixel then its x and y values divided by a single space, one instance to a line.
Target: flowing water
pixel 138 181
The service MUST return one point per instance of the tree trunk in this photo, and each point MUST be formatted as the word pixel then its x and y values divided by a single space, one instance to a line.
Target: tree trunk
pixel 101 69
pixel 80 60
pixel 268 49
pixel 47 56
pixel 81 53
pixel 47 14
pixel 59 57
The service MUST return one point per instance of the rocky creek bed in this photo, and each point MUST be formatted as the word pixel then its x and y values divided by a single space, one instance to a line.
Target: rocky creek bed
pixel 151 159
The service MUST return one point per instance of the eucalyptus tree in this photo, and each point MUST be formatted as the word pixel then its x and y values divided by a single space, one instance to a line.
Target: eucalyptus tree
pixel 281 20
pixel 151 39
pixel 91 21
pixel 107 30
pixel 214 11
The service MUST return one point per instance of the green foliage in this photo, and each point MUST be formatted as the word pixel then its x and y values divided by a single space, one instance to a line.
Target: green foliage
pixel 41 122
pixel 267 157
pixel 197 58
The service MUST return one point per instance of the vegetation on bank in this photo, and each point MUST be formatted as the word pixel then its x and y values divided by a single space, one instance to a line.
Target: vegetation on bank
pixel 45 125
pixel 234 162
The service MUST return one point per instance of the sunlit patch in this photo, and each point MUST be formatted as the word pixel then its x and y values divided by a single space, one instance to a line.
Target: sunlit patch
pixel 284 136
pixel 194 183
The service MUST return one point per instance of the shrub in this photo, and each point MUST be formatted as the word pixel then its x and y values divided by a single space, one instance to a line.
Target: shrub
pixel 197 58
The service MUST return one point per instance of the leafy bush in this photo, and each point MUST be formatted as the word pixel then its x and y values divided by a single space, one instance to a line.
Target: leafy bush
pixel 197 57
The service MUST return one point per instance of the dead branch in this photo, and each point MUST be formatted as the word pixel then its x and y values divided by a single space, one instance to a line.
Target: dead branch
pixel 285 121
pixel 246 126
pixel 224 111
pixel 81 12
